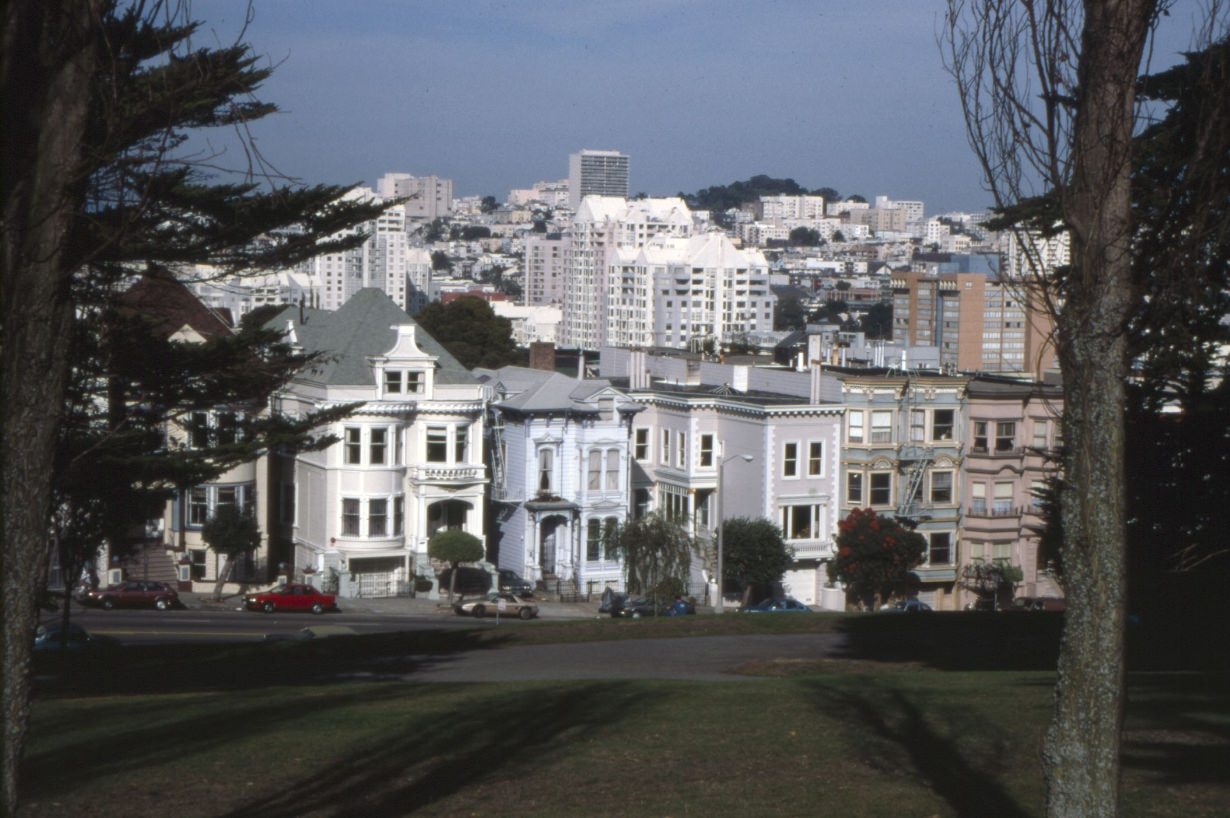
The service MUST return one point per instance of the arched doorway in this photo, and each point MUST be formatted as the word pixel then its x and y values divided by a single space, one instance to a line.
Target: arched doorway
pixel 447 515
pixel 552 536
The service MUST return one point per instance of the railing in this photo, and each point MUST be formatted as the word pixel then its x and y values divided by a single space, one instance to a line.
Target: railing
pixel 1000 511
pixel 426 473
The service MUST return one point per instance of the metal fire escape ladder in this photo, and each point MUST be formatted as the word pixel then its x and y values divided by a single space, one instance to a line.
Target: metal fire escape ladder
pixel 913 456
pixel 499 482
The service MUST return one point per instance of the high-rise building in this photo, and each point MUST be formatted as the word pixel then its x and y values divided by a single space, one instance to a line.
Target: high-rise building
pixel 427 197
pixel 596 173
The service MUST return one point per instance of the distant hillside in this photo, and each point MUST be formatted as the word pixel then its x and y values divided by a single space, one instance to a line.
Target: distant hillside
pixel 720 198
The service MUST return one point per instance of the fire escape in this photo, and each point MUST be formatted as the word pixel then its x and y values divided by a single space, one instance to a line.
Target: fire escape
pixel 913 456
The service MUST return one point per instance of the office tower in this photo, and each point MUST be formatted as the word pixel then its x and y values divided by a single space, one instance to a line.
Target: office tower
pixel 596 173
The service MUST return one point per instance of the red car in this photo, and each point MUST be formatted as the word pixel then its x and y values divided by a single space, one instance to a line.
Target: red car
pixel 137 593
pixel 292 597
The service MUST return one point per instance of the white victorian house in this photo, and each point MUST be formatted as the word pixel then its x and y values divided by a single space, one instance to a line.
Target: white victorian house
pixel 408 461
pixel 560 475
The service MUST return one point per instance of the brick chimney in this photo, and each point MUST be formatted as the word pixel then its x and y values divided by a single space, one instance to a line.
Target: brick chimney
pixel 542 356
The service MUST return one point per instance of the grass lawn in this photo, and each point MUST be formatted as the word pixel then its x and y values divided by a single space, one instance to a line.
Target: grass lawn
pixel 848 737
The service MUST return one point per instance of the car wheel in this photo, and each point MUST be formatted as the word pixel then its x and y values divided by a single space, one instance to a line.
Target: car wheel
pixel 318 608
pixel 108 603
pixel 525 613
pixel 163 604
pixel 268 607
pixel 480 611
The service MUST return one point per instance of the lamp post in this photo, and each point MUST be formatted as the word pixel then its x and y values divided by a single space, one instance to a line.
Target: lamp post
pixel 720 606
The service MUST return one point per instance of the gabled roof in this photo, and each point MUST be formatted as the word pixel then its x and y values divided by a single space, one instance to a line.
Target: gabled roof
pixel 530 391
pixel 359 329
pixel 160 298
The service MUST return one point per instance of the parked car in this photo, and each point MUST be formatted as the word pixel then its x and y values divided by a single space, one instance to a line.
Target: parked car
pixel 1038 603
pixel 490 605
pixel 638 607
pixel 514 583
pixel 48 639
pixel 611 601
pixel 780 605
pixel 907 606
pixel 470 580
pixel 291 597
pixel 137 593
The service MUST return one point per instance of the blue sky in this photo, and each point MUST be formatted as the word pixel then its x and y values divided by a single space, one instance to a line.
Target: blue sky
pixel 849 94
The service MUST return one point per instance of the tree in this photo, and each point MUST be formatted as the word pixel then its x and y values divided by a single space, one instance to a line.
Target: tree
pixel 454 546
pixel 877 322
pixel 829 194
pixel 839 236
pixel 488 204
pixel 789 312
pixel 471 331
pixel 98 182
pixel 875 555
pixel 1048 95
pixel 805 237
pixel 656 553
pixel 232 533
pixel 473 232
pixel 441 261
pixel 754 555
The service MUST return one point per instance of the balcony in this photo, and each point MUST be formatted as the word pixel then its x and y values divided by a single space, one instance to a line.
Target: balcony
pixel 998 510
pixel 443 474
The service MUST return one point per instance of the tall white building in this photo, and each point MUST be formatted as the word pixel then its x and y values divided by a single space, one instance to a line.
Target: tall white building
pixel 596 173
pixel 430 197
pixel 673 291
pixel 1028 254
pixel 386 261
pixel 603 223
pixel 545 268
pixel 781 206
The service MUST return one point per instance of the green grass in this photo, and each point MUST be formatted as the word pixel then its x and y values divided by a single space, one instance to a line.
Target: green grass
pixel 893 731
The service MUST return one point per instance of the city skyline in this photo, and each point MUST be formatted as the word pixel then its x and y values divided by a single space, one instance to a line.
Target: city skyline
pixel 496 96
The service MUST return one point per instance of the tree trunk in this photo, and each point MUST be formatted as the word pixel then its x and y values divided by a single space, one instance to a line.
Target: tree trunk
pixel 223 576
pixel 47 59
pixel 1081 752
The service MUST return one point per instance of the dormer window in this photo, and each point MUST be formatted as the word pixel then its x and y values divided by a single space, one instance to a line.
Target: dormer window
pixel 403 382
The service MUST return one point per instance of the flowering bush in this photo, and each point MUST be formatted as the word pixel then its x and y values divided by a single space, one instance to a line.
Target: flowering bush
pixel 874 553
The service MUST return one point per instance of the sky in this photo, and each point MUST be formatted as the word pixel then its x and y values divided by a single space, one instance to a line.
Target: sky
pixel 847 94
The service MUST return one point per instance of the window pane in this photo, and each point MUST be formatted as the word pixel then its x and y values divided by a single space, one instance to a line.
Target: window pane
pixel 612 470
pixel 545 461
pixel 392 382
pixel 594 481
pixel 706 451
pixel 941 548
pixel 350 517
pixel 399 516
pixel 941 487
pixel 881 427
pixel 414 382
pixel 437 444
pixel 854 488
pixel 460 443
pixel 642 444
pixel 378 518
pixel 353 446
pixel 980 435
pixel 199 430
pixel 942 424
pixel 790 460
pixel 815 458
pixel 1005 437
pixel 855 426
pixel 593 539
pixel 377 446
pixel 881 489
pixel 198 506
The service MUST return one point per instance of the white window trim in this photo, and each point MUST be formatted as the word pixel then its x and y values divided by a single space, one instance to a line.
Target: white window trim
pixel 798 459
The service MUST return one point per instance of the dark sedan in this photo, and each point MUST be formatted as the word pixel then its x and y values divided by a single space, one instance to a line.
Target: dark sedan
pixel 781 605
pixel 133 594
pixel 639 607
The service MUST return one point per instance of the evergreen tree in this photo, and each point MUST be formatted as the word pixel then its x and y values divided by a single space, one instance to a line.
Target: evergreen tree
pixel 469 329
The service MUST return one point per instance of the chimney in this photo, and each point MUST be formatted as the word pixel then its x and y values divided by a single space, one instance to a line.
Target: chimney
pixel 638 370
pixel 817 381
pixel 542 356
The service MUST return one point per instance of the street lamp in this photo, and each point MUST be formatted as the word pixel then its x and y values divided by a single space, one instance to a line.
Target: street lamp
pixel 720 607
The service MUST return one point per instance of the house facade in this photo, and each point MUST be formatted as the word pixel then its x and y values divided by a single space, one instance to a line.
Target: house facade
pixel 408 460
pixel 560 475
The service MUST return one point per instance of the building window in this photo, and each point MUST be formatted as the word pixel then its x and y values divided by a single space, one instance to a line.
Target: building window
pixel 198 506
pixel 939 551
pixel 352 450
pixel 980 435
pixel 437 444
pixel 377 445
pixel 815 459
pixel 198 563
pixel 399 516
pixel 978 498
pixel 1003 499
pixel 854 488
pixel 641 450
pixel 414 383
pixel 854 426
pixel 790 460
pixel 593 539
pixel 706 451
pixel 226 496
pixel 1040 433
pixel 1037 495
pixel 461 441
pixel 546 459
pixel 918 425
pixel 881 488
pixel 612 470
pixel 399 453
pixel 392 382
pixel 228 428
pixel 881 427
pixel 801 522
pixel 681 450
pixel 942 424
pixel 664 454
pixel 594 483
pixel 1005 436
pixel 350 517
pixel 378 518
pixel 198 430
pixel 941 487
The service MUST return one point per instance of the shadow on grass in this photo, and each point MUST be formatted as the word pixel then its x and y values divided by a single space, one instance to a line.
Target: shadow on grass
pixel 439 757
pixel 956 640
pixel 900 728
pixel 1177 730
pixel 117 740
pixel 151 669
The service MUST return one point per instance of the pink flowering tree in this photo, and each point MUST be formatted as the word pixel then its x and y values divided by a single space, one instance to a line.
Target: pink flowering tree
pixel 874 555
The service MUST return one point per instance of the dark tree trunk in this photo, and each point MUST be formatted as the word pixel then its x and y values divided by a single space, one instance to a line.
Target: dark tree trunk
pixel 1081 753
pixel 47 58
